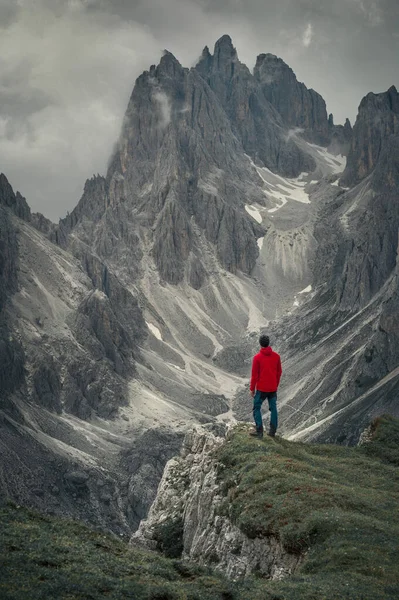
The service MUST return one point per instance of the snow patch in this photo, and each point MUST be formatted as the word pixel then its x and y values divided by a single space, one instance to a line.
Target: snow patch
pixel 253 211
pixel 282 188
pixel 306 290
pixel 337 163
pixel 154 330
pixel 260 243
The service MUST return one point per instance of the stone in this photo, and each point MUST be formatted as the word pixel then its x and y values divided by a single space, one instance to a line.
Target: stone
pixel 298 106
pixel 15 202
pixel 78 478
pixel 189 492
pixel 377 119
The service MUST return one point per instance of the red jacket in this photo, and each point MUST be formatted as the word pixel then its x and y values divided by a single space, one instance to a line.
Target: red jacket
pixel 266 371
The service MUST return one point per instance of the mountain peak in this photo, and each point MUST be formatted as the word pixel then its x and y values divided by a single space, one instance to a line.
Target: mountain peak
pixel 377 119
pixel 224 50
pixel 15 202
pixel 169 58
pixel 169 63
pixel 224 41
pixel 270 61
pixel 206 53
pixel 298 106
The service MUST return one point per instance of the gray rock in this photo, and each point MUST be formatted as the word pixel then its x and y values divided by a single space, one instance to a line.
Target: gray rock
pixel 298 106
pixel 254 119
pixel 78 478
pixel 144 461
pixel 190 494
pixel 47 386
pixel 14 202
pixel 12 357
pixel 340 137
pixel 377 119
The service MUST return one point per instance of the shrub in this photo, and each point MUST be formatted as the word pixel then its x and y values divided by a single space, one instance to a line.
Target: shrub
pixel 169 537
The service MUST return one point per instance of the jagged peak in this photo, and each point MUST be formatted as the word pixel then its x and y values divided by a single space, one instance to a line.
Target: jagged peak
pixel 169 64
pixel 168 56
pixel 270 67
pixel 388 100
pixel 224 49
pixel 392 91
pixel 224 41
pixel 4 180
pixel 205 62
pixel 205 53
pixel 267 56
pixel 270 59
pixel 13 200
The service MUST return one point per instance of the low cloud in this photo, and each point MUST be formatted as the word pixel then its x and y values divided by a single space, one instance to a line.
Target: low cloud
pixel 292 133
pixel 164 106
pixel 307 35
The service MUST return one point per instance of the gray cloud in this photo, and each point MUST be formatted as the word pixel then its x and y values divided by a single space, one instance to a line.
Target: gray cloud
pixel 67 68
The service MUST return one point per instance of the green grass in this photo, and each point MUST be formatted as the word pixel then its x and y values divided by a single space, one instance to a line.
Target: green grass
pixel 337 506
pixel 42 557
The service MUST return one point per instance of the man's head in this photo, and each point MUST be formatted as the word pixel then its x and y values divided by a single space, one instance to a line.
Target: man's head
pixel 264 341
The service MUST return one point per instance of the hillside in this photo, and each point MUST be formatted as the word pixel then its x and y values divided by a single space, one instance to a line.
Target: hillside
pixel 320 521
pixel 333 507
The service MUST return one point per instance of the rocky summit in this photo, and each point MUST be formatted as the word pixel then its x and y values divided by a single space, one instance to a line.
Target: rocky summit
pixel 232 203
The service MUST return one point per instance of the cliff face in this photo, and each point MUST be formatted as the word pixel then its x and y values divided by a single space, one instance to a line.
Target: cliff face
pixel 377 119
pixel 340 136
pixel 298 106
pixel 15 202
pixel 191 497
pixel 11 352
pixel 260 127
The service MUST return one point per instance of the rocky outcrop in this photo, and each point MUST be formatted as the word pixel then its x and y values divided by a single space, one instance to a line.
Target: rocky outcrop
pixel 15 202
pixel 298 106
pixel 340 136
pixel 91 206
pixel 11 351
pixel 255 120
pixel 96 320
pixel 377 119
pixel 144 461
pixel 187 514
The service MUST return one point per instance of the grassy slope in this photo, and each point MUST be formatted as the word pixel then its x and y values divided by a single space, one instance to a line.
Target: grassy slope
pixel 339 505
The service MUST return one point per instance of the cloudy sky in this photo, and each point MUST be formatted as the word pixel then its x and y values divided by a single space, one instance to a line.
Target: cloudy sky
pixel 67 68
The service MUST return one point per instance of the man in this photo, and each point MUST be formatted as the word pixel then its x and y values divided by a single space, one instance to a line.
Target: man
pixel 265 379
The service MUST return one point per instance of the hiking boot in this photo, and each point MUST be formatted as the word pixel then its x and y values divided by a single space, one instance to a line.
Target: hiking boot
pixel 272 432
pixel 258 432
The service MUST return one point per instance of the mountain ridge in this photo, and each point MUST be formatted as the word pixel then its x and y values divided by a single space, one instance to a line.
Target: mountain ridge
pixel 139 311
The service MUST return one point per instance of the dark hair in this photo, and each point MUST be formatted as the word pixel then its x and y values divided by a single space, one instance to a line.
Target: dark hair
pixel 264 341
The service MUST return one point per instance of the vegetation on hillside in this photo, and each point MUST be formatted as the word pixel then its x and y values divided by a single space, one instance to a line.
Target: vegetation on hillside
pixel 337 506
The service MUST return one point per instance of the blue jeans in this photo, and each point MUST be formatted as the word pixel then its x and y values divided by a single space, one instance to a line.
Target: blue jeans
pixel 258 401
